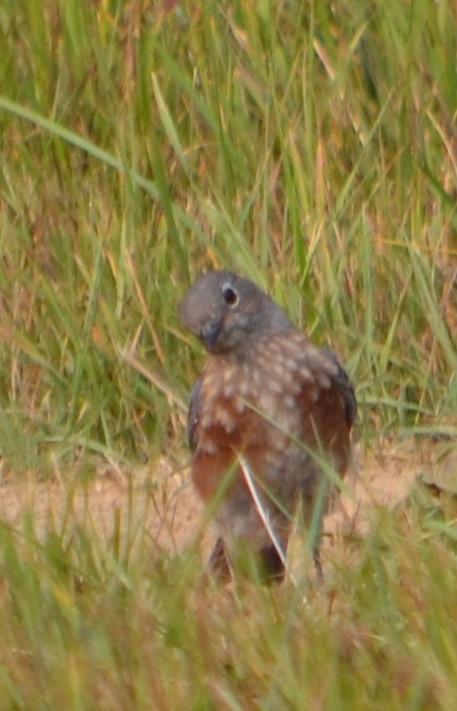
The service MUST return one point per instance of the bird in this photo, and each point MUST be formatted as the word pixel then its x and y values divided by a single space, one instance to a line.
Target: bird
pixel 268 415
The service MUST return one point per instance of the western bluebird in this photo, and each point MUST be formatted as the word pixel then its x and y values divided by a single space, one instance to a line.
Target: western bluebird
pixel 267 413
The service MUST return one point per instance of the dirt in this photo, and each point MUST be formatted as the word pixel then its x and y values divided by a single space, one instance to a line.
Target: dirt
pixel 163 503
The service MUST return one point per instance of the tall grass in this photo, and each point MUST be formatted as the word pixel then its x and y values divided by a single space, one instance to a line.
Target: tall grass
pixel 310 145
pixel 85 627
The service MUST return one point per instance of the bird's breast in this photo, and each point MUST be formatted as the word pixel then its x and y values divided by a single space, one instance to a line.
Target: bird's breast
pixel 247 408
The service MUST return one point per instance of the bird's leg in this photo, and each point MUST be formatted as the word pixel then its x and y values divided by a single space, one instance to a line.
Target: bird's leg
pixel 218 565
pixel 272 569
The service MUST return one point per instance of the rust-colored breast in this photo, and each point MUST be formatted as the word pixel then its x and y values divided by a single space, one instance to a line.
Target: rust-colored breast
pixel 285 393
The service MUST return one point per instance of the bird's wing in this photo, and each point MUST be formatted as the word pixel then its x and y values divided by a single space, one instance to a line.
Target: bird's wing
pixel 342 382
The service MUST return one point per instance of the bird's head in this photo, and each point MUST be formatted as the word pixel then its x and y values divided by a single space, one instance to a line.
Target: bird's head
pixel 228 313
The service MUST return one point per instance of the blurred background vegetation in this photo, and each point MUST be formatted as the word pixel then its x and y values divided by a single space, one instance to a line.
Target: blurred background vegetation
pixel 310 146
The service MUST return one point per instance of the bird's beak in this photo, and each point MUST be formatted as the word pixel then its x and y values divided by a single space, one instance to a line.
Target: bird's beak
pixel 209 334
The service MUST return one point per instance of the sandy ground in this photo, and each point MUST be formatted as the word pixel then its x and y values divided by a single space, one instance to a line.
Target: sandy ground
pixel 164 506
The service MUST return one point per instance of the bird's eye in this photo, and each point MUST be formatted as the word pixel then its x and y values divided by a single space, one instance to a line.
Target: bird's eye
pixel 229 295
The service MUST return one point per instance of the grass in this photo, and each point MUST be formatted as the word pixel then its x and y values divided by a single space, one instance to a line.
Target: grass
pixel 312 147
pixel 84 626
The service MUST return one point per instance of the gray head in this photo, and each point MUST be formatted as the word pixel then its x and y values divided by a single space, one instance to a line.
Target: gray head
pixel 228 312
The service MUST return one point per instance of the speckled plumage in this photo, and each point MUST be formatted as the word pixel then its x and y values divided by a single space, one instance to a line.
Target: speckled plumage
pixel 268 394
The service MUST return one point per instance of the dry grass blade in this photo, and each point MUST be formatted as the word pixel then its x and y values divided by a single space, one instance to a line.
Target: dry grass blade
pixel 264 517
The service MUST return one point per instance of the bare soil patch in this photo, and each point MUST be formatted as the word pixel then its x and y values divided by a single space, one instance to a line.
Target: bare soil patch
pixel 164 504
